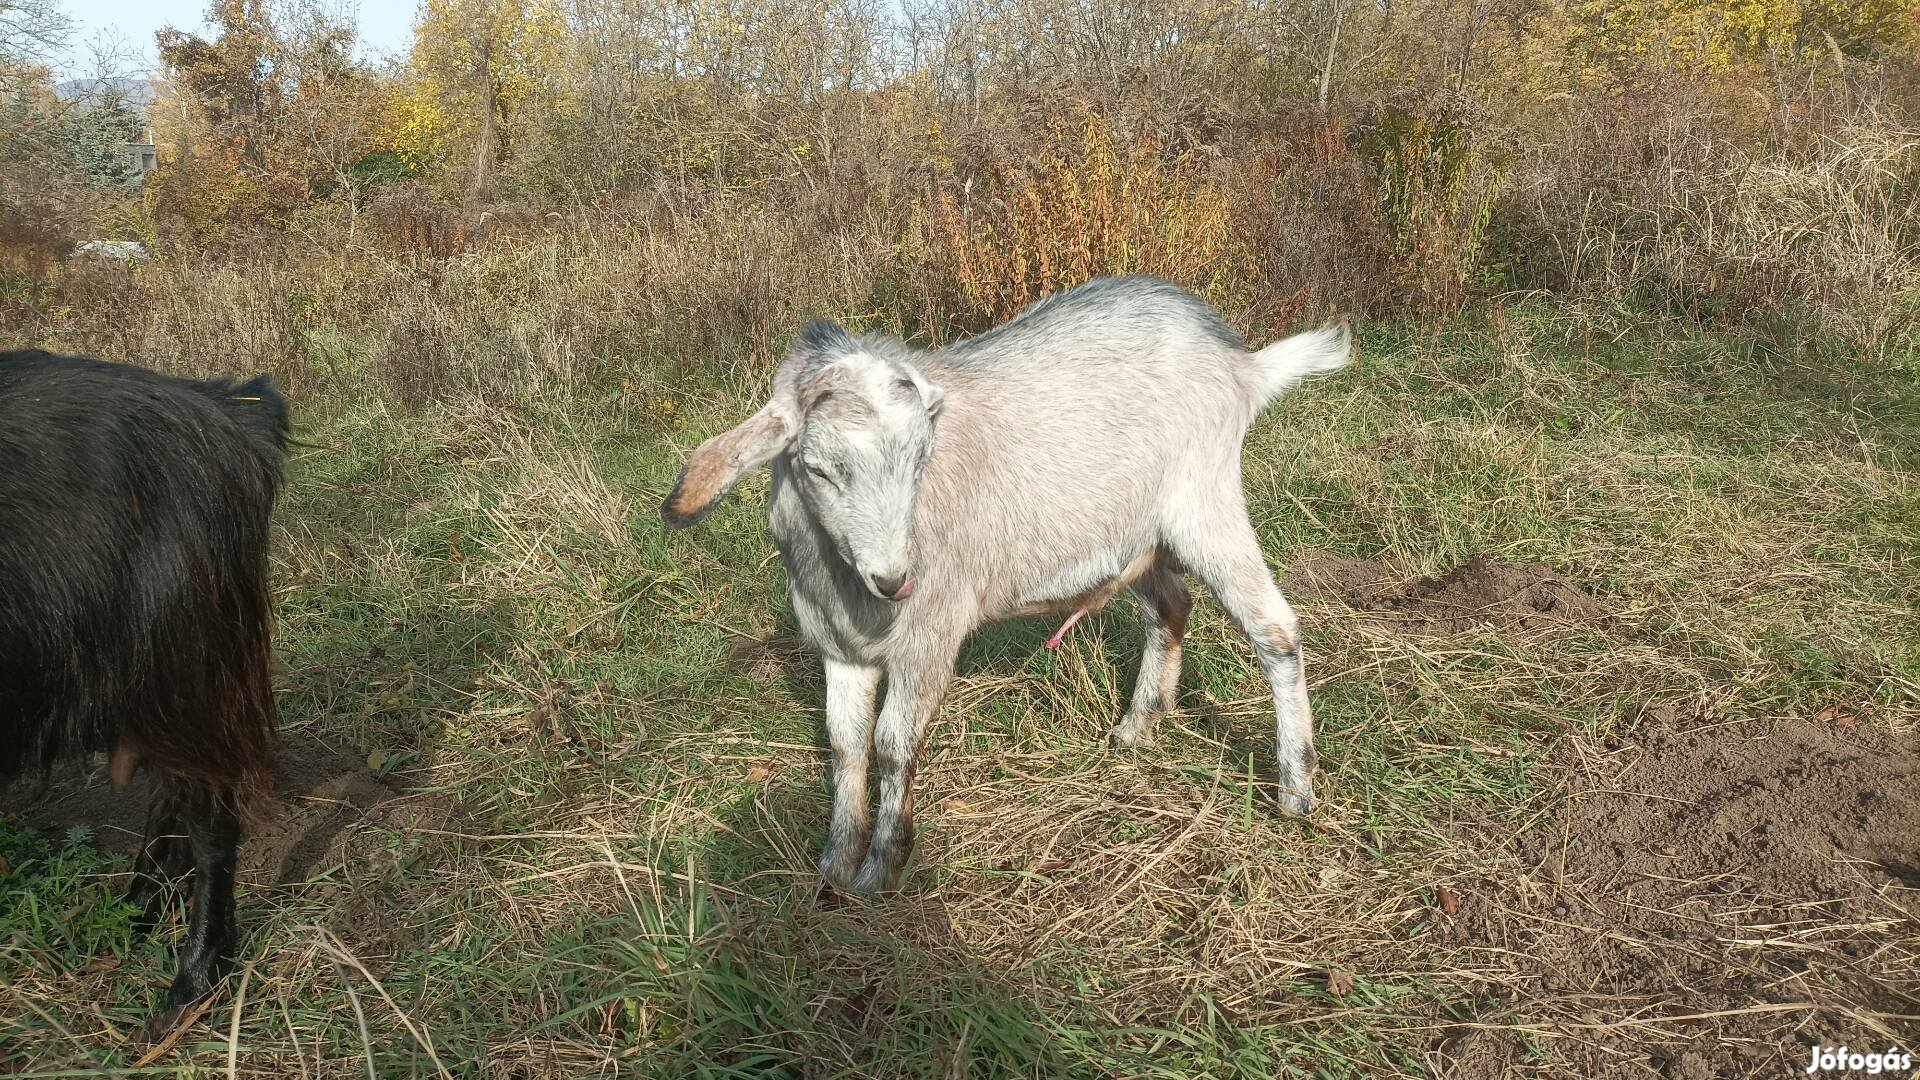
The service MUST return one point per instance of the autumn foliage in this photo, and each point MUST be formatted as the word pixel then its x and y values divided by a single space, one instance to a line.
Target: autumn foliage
pixel 1085 205
pixel 1703 157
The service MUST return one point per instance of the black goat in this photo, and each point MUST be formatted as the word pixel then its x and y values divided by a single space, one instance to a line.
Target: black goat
pixel 134 515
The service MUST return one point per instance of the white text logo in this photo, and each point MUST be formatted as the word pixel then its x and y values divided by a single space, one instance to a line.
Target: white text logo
pixel 1841 1059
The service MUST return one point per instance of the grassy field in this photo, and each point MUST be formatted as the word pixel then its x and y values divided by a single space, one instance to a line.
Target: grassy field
pixel 599 768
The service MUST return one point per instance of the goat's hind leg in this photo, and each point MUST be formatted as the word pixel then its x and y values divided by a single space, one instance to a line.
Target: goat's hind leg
pixel 163 859
pixel 213 832
pixel 1223 552
pixel 850 693
pixel 213 840
pixel 1165 605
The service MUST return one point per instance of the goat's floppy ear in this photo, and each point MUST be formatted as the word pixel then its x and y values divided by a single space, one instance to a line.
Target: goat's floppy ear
pixel 721 461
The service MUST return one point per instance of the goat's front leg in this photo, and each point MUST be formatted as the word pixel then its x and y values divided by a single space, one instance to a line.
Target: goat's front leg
pixel 1165 605
pixel 850 691
pixel 913 696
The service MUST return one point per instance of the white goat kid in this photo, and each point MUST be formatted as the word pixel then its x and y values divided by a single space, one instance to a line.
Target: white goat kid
pixel 1088 445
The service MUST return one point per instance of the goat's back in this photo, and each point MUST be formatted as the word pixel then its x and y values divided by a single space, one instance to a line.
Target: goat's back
pixel 1136 330
pixel 1107 381
pixel 134 520
pixel 1066 429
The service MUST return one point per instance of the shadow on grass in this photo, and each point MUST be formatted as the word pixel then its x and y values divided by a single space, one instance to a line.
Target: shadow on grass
pixel 337 832
pixel 753 968
pixel 792 979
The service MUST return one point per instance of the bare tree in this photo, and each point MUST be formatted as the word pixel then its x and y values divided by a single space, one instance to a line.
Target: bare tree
pixel 31 32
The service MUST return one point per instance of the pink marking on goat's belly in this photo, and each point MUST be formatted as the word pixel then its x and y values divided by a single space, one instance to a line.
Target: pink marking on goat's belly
pixel 1061 634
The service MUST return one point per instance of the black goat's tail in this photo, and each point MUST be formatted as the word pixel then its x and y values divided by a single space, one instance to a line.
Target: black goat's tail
pixel 256 406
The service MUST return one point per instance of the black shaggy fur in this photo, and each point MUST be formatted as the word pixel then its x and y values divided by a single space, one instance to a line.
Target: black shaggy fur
pixel 134 512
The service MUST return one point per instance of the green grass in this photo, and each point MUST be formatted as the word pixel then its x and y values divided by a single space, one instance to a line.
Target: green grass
pixel 476 593
pixel 56 916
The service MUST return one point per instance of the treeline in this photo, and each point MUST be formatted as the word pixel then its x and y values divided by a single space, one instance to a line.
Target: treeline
pixel 1701 156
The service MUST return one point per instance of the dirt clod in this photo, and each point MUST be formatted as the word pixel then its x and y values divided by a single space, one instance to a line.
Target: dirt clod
pixel 1529 600
pixel 1731 870
pixel 329 813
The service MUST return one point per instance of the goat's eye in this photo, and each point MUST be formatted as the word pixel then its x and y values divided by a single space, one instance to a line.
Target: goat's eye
pixel 816 469
pixel 906 386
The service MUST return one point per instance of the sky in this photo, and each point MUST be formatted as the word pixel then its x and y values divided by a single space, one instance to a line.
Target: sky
pixel 385 27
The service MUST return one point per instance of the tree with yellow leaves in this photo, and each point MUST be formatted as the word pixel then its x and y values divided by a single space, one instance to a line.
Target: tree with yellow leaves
pixel 1718 36
pixel 479 70
pixel 258 117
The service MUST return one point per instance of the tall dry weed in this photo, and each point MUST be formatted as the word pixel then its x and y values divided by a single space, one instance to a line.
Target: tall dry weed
pixel 1437 183
pixel 1084 205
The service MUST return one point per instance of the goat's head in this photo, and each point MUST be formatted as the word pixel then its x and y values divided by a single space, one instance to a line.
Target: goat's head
pixel 855 421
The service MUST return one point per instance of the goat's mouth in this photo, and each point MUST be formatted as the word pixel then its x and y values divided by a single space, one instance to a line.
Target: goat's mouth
pixel 893 589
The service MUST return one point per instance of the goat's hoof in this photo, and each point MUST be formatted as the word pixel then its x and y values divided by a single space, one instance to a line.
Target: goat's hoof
pixel 165 1022
pixel 872 881
pixel 836 879
pixel 194 983
pixel 840 863
pixel 1295 800
pixel 1130 733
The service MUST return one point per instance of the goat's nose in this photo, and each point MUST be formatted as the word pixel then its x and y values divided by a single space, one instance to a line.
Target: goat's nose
pixel 893 588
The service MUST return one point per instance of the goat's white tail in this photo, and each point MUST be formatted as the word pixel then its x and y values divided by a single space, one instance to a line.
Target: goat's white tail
pixel 1280 365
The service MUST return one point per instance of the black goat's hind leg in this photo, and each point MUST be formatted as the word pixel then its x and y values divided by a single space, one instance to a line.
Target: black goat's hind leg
pixel 163 859
pixel 213 835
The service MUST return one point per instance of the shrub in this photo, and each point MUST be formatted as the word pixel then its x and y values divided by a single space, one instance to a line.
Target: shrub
pixel 1437 185
pixel 1083 206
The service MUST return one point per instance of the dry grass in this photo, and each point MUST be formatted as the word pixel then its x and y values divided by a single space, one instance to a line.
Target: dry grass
pixel 623 737
pixel 581 762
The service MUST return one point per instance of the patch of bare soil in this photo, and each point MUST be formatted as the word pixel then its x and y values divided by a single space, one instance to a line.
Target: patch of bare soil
pixel 770 656
pixel 1529 600
pixel 333 827
pixel 1715 901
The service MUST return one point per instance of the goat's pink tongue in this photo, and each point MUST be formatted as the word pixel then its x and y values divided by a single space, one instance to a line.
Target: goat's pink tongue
pixel 1061 634
pixel 905 591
